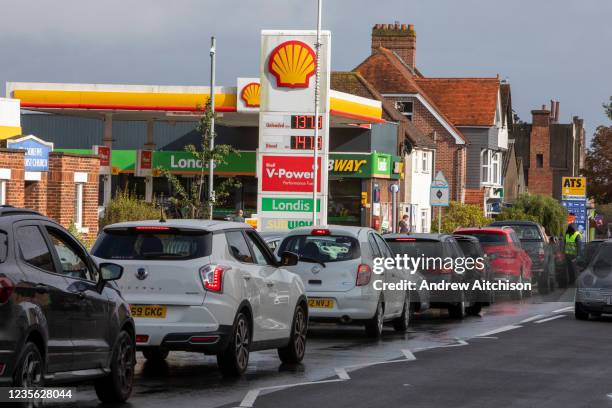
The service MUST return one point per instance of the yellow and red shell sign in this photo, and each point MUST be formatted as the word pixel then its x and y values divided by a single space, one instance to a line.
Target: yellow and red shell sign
pixel 250 95
pixel 292 63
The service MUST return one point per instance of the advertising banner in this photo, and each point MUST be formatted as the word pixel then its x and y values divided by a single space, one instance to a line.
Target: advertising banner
pixel 104 154
pixel 577 212
pixel 144 163
pixel 288 174
pixel 248 95
pixel 573 187
pixel 288 204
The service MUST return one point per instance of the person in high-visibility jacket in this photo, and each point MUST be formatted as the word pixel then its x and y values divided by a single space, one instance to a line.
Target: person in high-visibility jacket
pixel 573 249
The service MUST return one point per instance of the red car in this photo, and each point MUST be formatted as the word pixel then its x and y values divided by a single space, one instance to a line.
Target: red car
pixel 503 248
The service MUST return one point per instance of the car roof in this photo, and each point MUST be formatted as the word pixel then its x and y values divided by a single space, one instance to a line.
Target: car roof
pixel 419 236
pixel 334 230
pixel 205 225
pixel 460 237
pixel 496 229
pixel 514 222
pixel 272 234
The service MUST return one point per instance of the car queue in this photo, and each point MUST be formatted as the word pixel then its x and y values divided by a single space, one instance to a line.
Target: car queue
pixel 218 288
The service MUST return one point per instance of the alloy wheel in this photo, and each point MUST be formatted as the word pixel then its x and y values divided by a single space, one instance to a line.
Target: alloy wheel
pixel 31 374
pixel 241 342
pixel 300 332
pixel 125 364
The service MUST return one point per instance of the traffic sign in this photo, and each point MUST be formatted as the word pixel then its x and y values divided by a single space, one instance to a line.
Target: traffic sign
pixel 439 195
pixel 573 187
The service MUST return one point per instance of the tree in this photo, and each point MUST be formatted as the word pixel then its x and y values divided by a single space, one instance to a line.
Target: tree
pixel 598 163
pixel 460 215
pixel 195 202
pixel 539 208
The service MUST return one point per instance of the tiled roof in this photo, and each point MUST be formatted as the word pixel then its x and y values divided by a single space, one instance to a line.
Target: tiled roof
pixel 355 84
pixel 465 101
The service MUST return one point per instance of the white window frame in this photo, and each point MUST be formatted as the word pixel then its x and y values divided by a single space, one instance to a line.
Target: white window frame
pixel 409 114
pixel 2 192
pixel 424 220
pixel 485 166
pixel 78 205
pixel 495 168
pixel 425 162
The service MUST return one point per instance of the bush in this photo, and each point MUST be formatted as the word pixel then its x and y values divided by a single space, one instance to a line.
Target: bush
pixel 542 209
pixel 458 215
pixel 126 206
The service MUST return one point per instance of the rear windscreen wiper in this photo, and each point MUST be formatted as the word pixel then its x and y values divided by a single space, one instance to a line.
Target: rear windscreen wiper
pixel 311 260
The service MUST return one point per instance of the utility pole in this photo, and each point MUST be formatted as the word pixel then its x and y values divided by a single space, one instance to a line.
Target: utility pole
pixel 211 164
pixel 316 115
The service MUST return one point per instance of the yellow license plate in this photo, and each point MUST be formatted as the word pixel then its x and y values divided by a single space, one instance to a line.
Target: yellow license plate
pixel 151 311
pixel 321 303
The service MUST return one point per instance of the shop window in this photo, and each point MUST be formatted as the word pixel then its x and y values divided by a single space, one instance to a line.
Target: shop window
pixel 2 192
pixel 405 108
pixel 345 202
pixel 78 205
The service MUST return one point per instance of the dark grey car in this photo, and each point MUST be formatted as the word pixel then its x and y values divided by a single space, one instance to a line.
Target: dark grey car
pixel 61 319
pixel 594 285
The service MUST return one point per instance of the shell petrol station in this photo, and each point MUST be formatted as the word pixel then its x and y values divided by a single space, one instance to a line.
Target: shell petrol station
pixel 136 131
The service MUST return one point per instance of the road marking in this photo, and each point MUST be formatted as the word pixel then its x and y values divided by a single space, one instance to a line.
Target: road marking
pixel 565 309
pixel 251 397
pixel 459 343
pixel 342 374
pixel 550 318
pixel 409 355
pixel 499 330
pixel 532 318
pixel 609 396
pixel 488 337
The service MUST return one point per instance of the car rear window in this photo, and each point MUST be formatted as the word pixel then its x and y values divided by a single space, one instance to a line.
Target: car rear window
pixel 527 232
pixel 469 249
pixel 329 248
pixel 490 238
pixel 170 244
pixel 429 249
pixel 3 246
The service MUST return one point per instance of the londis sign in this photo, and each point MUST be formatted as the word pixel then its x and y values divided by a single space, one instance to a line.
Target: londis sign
pixel 573 187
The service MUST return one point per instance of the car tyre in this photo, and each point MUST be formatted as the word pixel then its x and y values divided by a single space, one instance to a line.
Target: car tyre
pixel 155 354
pixel 374 326
pixel 233 361
pixel 579 312
pixel 294 352
pixel 544 283
pixel 30 368
pixel 518 294
pixel 401 323
pixel 117 386
pixel 475 309
pixel 457 310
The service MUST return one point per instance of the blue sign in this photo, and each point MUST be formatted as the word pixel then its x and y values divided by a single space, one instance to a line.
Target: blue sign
pixel 578 208
pixel 37 152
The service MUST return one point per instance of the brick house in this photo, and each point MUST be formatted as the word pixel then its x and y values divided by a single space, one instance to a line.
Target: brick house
pixel 416 149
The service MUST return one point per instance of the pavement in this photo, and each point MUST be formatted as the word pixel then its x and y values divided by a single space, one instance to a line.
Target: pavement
pixel 529 353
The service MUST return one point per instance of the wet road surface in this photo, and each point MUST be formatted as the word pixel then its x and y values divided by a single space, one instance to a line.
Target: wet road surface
pixel 191 379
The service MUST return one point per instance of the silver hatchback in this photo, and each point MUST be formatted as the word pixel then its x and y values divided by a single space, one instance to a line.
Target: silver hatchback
pixel 337 268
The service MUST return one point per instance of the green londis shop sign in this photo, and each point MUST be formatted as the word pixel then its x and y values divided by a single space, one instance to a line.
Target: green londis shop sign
pixel 288 204
pixel 241 163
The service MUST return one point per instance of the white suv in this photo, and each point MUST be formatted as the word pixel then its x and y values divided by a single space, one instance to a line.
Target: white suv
pixel 336 265
pixel 207 286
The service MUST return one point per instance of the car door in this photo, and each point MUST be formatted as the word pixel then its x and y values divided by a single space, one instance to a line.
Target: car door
pixel 47 291
pixel 278 305
pixel 395 298
pixel 89 308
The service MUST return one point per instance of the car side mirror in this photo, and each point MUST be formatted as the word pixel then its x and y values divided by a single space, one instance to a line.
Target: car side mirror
pixel 110 271
pixel 289 259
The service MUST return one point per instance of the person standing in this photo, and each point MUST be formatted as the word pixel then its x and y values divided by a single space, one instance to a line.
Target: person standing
pixel 572 249
pixel 239 217
pixel 404 227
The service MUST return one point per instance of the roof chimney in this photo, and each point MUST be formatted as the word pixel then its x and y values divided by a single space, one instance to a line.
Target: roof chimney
pixel 399 38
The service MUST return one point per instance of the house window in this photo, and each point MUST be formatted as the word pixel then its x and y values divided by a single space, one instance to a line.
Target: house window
pixel 539 160
pixel 425 162
pixel 405 108
pixel 2 192
pixel 491 167
pixel 424 220
pixel 495 173
pixel 78 205
pixel 485 159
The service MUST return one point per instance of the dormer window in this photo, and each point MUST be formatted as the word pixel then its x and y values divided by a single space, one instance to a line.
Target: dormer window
pixel 405 107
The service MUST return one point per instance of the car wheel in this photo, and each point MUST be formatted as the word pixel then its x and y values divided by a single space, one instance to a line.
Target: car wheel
pixel 544 283
pixel 518 294
pixel 155 354
pixel 457 310
pixel 579 312
pixel 401 323
pixel 30 368
pixel 474 309
pixel 374 326
pixel 294 351
pixel 233 361
pixel 117 386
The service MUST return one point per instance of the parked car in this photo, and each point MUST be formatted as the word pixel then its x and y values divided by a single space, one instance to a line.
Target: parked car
pixel 62 319
pixel 590 249
pixel 537 245
pixel 336 265
pixel 458 303
pixel 207 286
pixel 507 258
pixel 472 249
pixel 594 284
pixel 273 238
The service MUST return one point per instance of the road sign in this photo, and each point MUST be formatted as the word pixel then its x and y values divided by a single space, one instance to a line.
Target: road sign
pixel 577 207
pixel 573 187
pixel 439 195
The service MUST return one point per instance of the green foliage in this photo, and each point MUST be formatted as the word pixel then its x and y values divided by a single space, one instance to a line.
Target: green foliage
pixel 458 215
pixel 195 202
pixel 126 206
pixel 598 163
pixel 608 108
pixel 542 209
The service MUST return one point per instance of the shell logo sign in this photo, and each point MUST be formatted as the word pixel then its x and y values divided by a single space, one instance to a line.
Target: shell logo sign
pixel 250 95
pixel 292 63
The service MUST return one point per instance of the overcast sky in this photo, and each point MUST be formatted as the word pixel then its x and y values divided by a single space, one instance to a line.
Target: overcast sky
pixel 559 49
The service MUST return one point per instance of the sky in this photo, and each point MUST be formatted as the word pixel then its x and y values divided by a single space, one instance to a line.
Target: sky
pixel 546 49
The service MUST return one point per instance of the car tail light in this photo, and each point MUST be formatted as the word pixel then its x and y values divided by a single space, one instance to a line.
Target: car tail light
pixel 151 228
pixel 212 277
pixel 404 239
pixel 320 231
pixel 2 367
pixel 541 254
pixel 6 290
pixel 364 274
pixel 142 338
pixel 203 339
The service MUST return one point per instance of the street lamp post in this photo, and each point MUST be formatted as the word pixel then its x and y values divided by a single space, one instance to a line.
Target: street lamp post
pixel 316 116
pixel 211 191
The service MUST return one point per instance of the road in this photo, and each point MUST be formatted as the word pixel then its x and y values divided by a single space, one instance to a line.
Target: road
pixel 516 354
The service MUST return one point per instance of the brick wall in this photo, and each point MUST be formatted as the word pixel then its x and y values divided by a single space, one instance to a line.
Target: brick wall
pixel 399 38
pixel 475 196
pixel 13 160
pixel 35 194
pixel 540 178
pixel 62 190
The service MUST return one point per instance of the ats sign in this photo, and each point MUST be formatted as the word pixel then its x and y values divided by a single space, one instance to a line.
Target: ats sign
pixel 289 174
